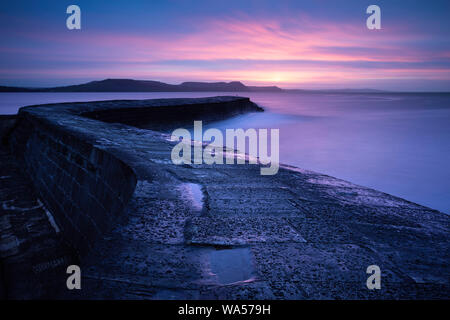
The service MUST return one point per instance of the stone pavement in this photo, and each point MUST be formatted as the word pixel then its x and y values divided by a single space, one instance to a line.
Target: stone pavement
pixel 226 232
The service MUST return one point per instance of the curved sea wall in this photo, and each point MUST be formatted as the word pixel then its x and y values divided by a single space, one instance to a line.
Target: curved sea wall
pixel 109 199
pixel 83 185
pixel 181 112
pixel 7 122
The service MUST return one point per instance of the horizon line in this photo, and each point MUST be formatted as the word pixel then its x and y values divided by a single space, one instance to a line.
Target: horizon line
pixel 340 90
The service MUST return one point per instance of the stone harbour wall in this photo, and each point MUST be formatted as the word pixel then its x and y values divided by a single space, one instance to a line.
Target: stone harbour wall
pixel 141 227
pixel 85 188
pixel 83 185
pixel 158 117
pixel 7 123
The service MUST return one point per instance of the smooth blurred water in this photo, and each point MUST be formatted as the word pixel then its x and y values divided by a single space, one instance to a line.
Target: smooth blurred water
pixel 396 143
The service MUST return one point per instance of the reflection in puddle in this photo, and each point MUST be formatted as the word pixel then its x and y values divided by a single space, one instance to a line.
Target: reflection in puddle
pixel 193 192
pixel 232 265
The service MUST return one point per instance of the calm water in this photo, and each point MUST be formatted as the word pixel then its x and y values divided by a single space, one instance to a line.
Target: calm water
pixel 396 143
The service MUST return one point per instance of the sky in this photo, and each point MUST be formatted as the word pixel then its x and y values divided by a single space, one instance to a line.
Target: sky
pixel 292 44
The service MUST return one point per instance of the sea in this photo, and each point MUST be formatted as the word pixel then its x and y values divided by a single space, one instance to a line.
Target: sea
pixel 398 143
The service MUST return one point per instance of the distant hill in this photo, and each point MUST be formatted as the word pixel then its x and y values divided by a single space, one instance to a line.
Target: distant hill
pixel 15 89
pixel 336 91
pixel 129 85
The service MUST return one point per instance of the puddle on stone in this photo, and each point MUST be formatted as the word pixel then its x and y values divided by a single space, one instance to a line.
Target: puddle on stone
pixel 193 192
pixel 232 265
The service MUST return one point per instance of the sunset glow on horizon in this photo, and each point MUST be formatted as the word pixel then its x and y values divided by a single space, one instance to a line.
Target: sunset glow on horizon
pixel 291 45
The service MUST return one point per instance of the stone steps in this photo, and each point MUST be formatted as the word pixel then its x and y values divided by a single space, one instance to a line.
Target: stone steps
pixel 33 256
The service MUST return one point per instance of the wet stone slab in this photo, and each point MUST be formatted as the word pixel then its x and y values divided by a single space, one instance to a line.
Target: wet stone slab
pixel 230 231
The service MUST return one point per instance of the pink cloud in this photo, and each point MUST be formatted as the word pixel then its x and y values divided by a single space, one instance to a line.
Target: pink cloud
pixel 253 40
